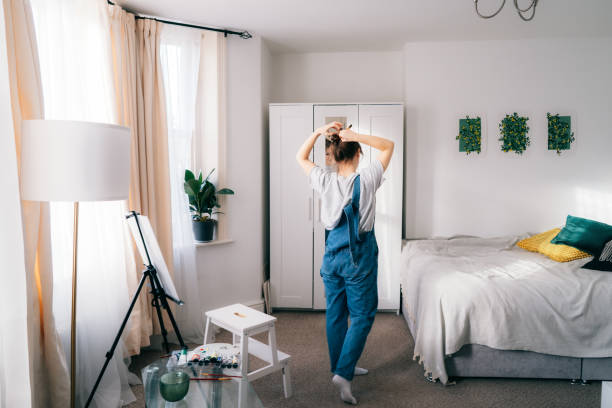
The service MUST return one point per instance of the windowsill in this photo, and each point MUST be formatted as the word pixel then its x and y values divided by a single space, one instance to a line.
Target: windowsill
pixel 214 242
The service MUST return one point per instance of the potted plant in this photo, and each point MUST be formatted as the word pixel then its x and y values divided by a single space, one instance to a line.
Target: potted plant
pixel 203 204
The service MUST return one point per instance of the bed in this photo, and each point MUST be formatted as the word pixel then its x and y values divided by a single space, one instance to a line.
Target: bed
pixel 481 307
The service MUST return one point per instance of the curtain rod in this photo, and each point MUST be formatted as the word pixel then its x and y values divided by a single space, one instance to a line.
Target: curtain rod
pixel 242 34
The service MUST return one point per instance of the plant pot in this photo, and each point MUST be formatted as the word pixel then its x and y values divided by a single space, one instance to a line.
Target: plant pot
pixel 203 230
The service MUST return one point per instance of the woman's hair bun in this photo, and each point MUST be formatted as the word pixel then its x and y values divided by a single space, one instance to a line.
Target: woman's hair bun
pixel 334 138
pixel 341 151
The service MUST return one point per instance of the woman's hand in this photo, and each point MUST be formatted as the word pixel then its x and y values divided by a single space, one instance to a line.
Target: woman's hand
pixel 303 153
pixel 347 135
pixel 323 129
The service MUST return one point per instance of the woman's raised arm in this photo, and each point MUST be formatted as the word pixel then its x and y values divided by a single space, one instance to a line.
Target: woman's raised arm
pixel 306 148
pixel 384 145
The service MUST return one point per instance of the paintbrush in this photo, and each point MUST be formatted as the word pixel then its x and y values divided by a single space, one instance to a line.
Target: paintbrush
pixel 221 375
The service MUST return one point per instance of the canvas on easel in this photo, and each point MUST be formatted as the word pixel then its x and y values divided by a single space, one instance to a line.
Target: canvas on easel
pixel 154 252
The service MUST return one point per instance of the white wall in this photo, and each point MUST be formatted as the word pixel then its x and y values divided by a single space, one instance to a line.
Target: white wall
pixel 446 192
pixel 232 273
pixel 500 193
pixel 337 77
pixel 14 370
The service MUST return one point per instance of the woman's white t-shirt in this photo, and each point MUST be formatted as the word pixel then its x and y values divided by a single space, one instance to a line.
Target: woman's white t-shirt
pixel 337 191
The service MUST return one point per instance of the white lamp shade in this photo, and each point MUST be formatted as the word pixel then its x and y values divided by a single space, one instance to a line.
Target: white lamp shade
pixel 64 160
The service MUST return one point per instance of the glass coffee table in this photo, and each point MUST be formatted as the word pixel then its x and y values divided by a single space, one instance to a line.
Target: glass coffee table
pixel 235 392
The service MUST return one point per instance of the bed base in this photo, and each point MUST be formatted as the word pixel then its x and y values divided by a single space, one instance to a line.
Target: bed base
pixel 474 360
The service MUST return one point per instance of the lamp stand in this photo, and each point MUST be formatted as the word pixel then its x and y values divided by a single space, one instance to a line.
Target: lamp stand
pixel 75 240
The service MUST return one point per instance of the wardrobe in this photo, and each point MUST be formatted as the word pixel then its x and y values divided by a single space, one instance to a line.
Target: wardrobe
pixel 297 238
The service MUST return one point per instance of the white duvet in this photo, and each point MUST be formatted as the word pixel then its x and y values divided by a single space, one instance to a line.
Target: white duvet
pixel 490 292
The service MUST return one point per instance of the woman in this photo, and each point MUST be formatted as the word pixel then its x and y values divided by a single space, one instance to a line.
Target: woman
pixel 350 263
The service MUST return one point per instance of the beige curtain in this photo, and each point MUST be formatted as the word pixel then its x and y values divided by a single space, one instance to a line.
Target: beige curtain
pixel 151 157
pixel 153 191
pixel 49 377
pixel 141 106
pixel 124 61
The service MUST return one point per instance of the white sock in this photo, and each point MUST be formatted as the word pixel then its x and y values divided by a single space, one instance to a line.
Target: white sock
pixel 360 371
pixel 344 386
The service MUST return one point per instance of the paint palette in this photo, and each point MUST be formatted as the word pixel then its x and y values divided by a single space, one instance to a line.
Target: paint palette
pixel 222 355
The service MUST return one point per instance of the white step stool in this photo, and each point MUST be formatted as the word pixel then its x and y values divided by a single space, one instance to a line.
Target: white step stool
pixel 244 322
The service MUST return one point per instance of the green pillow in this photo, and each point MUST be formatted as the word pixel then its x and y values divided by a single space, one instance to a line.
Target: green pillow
pixel 586 235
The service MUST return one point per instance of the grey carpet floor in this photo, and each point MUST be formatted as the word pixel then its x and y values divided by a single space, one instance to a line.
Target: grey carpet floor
pixel 395 380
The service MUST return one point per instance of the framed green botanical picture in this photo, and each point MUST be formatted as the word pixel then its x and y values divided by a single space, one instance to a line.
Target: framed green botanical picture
pixel 560 135
pixel 514 133
pixel 470 135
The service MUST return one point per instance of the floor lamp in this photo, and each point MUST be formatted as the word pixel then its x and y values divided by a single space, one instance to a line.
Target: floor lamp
pixel 64 160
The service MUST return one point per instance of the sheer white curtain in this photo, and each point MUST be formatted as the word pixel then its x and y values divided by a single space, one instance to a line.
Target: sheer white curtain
pixel 210 143
pixel 180 61
pixel 75 61
pixel 15 383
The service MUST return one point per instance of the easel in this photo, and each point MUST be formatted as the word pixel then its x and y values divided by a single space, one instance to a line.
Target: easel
pixel 160 298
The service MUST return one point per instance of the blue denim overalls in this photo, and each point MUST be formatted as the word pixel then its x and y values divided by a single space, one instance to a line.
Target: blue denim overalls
pixel 349 272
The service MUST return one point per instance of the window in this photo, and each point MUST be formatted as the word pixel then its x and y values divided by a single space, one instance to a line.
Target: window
pixel 192 63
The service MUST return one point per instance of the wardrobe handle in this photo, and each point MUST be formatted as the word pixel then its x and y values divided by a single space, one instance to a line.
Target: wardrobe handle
pixel 319 209
pixel 309 208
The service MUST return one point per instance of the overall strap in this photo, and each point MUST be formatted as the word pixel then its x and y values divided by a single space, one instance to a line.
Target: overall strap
pixel 355 202
pixel 352 215
pixel 356 191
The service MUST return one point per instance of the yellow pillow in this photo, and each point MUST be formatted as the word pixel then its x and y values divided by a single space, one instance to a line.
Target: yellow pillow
pixel 560 253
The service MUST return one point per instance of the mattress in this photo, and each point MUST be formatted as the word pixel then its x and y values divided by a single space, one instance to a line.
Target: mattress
pixel 489 292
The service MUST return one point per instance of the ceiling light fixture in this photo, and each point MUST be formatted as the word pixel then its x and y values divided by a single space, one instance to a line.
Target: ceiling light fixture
pixel 523 13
